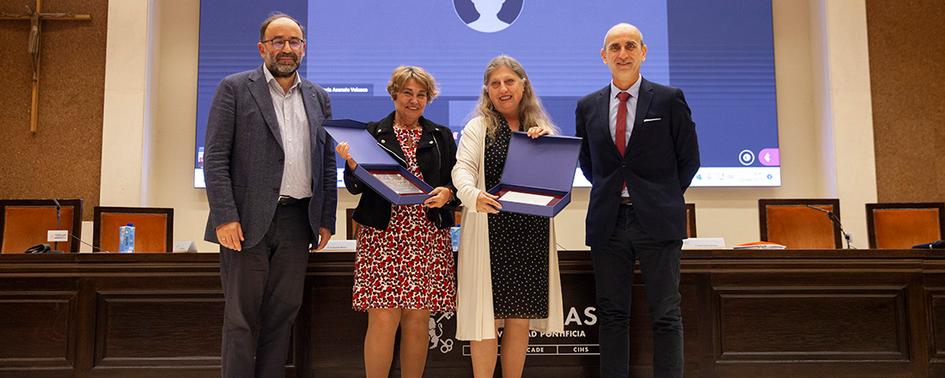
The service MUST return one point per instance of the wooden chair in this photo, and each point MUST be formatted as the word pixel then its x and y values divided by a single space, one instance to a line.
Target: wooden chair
pixel 902 225
pixel 800 223
pixel 351 227
pixel 691 220
pixel 24 223
pixel 154 228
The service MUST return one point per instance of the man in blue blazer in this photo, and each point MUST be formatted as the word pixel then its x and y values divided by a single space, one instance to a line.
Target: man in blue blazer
pixel 271 185
pixel 640 153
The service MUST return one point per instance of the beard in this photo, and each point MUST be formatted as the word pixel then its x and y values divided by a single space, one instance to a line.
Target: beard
pixel 287 69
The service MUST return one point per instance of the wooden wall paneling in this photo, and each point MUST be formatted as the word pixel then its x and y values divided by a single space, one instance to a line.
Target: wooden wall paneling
pixel 150 319
pixel 63 159
pixel 907 92
pixel 158 329
pixel 807 321
pixel 813 323
pixel 934 296
pixel 332 352
pixel 39 328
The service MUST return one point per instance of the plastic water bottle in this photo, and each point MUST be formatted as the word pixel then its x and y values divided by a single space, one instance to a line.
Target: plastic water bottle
pixel 126 238
pixel 454 237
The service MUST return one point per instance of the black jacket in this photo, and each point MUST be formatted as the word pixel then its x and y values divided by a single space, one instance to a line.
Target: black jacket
pixel 436 155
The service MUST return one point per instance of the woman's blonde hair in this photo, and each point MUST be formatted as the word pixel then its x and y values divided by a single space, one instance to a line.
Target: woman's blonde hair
pixel 531 113
pixel 403 74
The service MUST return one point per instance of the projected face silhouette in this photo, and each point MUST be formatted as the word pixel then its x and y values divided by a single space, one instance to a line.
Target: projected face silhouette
pixel 488 21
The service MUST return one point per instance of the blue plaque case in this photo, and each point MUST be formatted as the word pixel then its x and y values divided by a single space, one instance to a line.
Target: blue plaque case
pixel 544 166
pixel 373 159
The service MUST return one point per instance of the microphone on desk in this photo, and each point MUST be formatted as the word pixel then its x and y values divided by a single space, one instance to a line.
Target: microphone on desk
pixel 836 220
pixel 58 222
pixel 55 248
pixel 938 244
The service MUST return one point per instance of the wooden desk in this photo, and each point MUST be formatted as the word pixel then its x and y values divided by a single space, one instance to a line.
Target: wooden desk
pixel 865 313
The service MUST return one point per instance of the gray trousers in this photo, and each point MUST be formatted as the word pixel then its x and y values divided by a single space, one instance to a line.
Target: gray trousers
pixel 262 289
pixel 613 274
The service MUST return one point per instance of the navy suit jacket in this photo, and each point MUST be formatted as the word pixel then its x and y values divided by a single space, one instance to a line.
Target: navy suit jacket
pixel 243 157
pixel 661 159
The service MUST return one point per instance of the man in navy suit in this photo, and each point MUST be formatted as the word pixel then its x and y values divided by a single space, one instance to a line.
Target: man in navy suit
pixel 271 185
pixel 640 153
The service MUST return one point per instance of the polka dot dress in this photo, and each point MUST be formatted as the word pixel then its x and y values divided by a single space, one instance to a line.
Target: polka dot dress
pixel 518 246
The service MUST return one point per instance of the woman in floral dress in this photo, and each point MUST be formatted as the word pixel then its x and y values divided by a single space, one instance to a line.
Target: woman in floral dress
pixel 404 266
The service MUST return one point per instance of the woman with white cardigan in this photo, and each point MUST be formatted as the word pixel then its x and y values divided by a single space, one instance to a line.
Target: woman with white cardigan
pixel 508 264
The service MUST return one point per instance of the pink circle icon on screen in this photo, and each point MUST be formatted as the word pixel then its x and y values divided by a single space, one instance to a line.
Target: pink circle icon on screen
pixel 769 157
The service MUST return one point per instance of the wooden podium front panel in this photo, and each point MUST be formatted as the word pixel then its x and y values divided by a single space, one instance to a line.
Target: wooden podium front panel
pixel 810 324
pixel 165 327
pixel 38 328
pixel 865 313
pixel 934 296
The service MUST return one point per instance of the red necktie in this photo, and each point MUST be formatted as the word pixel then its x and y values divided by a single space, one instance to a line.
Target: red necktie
pixel 620 136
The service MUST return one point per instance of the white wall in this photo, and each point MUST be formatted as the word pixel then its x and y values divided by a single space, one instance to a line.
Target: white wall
pixel 822 96
pixel 128 105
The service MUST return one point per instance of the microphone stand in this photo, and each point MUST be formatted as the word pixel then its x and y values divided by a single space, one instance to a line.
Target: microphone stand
pixel 58 222
pixel 835 220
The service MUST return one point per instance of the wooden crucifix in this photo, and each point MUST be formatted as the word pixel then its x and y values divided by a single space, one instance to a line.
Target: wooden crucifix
pixel 36 18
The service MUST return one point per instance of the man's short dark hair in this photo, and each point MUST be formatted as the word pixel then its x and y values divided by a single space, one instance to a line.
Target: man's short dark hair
pixel 275 16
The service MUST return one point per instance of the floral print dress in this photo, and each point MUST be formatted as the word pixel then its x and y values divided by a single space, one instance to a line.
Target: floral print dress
pixel 410 264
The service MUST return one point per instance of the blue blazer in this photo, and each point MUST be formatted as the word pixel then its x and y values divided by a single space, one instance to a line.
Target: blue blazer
pixel 243 157
pixel 661 159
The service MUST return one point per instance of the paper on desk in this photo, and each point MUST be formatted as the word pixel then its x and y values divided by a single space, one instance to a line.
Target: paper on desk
pixel 526 198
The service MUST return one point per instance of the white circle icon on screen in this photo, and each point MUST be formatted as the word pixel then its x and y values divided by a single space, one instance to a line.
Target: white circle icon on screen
pixel 746 157
pixel 488 16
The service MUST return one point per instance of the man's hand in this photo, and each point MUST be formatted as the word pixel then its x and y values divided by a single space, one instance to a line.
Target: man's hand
pixel 324 235
pixel 439 196
pixel 230 235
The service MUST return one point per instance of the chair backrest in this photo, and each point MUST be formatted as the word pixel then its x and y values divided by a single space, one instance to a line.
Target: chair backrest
pixel 691 220
pixel 351 227
pixel 24 223
pixel 903 225
pixel 800 223
pixel 154 228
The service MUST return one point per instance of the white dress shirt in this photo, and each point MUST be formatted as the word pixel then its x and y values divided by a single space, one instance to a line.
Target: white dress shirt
pixel 296 140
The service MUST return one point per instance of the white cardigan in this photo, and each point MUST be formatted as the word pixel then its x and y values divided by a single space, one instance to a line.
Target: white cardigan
pixel 474 313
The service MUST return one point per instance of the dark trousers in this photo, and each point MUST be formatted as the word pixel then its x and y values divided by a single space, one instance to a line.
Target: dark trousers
pixel 613 273
pixel 262 287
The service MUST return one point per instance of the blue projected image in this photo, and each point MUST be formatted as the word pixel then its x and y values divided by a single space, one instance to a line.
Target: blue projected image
pixel 352 47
